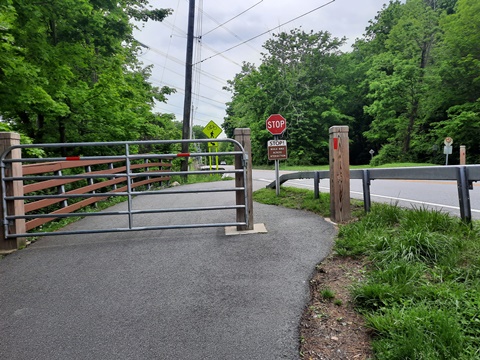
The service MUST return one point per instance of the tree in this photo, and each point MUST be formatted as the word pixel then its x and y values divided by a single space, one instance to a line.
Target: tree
pixel 296 79
pixel 76 76
pixel 459 69
pixel 398 84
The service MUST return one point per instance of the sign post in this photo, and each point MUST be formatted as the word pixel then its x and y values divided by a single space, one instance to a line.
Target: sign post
pixel 276 124
pixel 447 150
pixel 212 131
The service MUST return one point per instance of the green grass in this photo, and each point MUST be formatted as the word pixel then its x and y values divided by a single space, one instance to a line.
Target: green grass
pixel 421 292
pixel 193 179
pixel 327 294
pixel 295 198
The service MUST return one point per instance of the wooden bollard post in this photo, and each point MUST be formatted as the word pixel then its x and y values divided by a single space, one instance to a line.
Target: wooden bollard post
pixel 13 188
pixel 339 174
pixel 243 137
pixel 463 155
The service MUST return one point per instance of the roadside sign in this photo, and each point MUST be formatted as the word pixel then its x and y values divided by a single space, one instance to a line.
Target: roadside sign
pixel 276 124
pixel 277 142
pixel 212 130
pixel 277 150
pixel 448 141
pixel 213 144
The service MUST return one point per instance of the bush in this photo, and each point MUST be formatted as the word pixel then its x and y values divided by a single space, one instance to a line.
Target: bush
pixel 389 153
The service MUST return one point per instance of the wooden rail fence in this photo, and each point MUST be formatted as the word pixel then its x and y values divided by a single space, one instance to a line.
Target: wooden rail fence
pixel 99 185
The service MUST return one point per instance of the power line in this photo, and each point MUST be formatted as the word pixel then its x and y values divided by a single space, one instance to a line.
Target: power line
pixel 170 42
pixel 180 62
pixel 228 30
pixel 268 31
pixel 236 16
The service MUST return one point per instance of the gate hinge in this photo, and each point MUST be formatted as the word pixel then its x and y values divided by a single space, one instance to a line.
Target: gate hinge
pixel 245 160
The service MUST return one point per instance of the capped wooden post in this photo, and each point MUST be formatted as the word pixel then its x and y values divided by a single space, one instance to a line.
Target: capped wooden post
pixel 12 188
pixel 339 174
pixel 243 137
pixel 463 155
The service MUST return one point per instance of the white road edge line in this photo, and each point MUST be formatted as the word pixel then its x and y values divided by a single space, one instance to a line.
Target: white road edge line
pixel 386 197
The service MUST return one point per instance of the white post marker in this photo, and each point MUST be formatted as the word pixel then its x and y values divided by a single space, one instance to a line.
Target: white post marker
pixel 447 150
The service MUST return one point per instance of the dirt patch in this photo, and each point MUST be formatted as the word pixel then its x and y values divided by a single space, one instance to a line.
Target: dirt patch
pixel 330 328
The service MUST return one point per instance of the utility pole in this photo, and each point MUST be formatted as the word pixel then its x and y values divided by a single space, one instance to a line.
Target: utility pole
pixel 187 105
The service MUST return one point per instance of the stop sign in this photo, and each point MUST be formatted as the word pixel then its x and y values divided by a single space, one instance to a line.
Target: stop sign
pixel 276 124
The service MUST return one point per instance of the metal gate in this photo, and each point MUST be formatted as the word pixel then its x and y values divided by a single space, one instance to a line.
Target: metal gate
pixel 126 174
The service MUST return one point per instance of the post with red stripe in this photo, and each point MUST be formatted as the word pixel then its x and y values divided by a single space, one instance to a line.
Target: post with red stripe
pixel 339 174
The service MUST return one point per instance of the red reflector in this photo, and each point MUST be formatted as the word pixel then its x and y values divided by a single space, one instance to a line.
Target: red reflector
pixel 183 154
pixel 72 158
pixel 335 143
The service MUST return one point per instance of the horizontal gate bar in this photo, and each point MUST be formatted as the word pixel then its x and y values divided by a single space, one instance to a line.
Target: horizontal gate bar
pixel 122 175
pixel 77 232
pixel 111 194
pixel 134 212
pixel 122 157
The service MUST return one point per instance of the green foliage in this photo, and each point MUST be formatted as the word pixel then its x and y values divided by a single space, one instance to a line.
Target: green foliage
pixel 421 332
pixel 69 72
pixel 410 81
pixel 327 294
pixel 389 153
pixel 423 265
pixel 421 292
pixel 295 198
pixel 287 82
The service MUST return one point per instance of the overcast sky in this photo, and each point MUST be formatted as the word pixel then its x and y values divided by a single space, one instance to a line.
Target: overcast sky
pixel 167 42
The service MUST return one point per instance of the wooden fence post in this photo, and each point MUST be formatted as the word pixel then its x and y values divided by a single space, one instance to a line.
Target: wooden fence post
pixel 243 137
pixel 463 155
pixel 339 174
pixel 14 188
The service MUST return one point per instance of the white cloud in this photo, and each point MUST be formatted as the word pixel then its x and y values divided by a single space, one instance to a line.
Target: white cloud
pixel 167 42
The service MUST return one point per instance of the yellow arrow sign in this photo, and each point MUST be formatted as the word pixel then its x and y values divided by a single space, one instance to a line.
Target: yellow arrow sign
pixel 213 144
pixel 212 130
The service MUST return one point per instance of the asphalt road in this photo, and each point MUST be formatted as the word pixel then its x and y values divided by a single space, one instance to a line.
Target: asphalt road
pixel 171 294
pixel 438 195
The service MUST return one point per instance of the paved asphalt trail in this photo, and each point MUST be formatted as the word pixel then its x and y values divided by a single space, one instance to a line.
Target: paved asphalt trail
pixel 171 294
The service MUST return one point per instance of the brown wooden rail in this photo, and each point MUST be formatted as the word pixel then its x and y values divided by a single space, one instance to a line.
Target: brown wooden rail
pixel 63 205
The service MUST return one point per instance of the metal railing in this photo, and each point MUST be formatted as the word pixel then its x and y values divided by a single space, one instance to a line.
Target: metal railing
pixel 127 174
pixel 464 176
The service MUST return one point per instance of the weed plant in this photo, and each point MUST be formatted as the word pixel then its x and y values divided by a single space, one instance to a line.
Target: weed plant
pixel 421 292
pixel 421 296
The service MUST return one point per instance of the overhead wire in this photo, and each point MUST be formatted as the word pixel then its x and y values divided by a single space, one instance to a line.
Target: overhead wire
pixel 229 31
pixel 197 65
pixel 171 35
pixel 268 31
pixel 180 62
pixel 233 18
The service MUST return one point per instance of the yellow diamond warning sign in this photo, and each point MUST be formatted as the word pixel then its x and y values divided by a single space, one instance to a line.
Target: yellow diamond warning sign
pixel 212 130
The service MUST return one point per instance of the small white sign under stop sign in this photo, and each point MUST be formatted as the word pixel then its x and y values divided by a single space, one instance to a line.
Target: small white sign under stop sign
pixel 277 142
